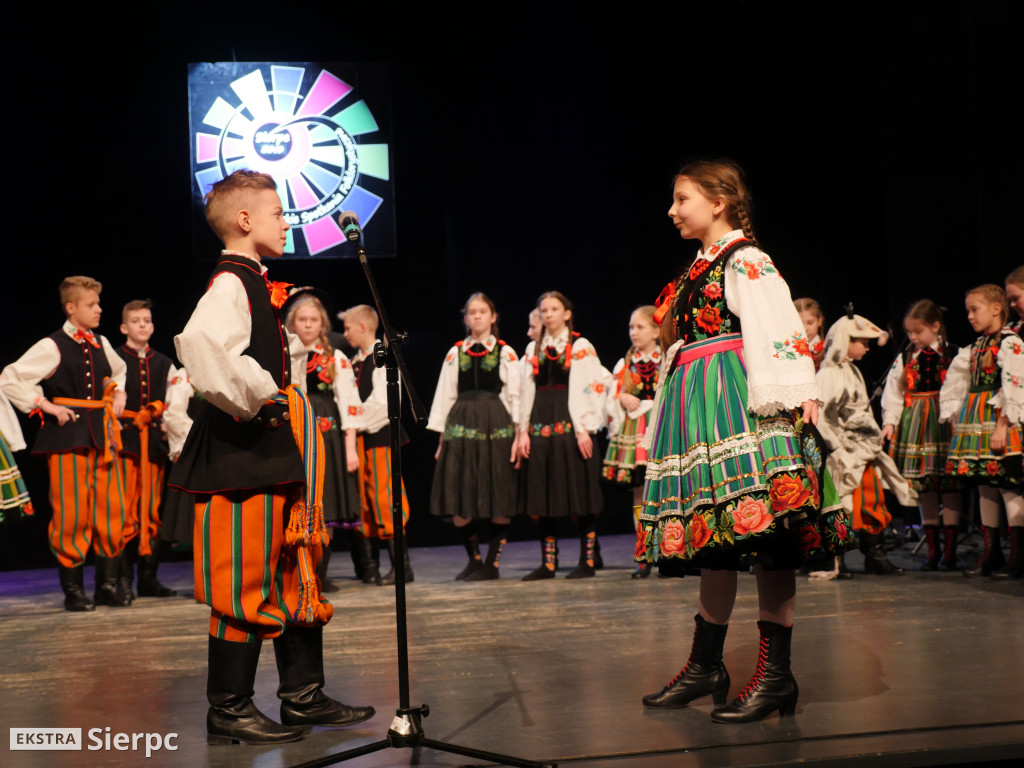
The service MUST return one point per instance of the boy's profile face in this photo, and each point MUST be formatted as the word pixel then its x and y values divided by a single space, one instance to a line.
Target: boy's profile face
pixel 858 348
pixel 355 333
pixel 267 228
pixel 138 327
pixel 84 311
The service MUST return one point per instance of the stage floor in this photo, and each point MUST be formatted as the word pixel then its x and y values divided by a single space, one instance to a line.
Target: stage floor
pixel 923 669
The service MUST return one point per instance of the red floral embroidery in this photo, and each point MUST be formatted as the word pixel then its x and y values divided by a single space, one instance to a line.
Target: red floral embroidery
pixel 640 550
pixel 545 431
pixel 713 290
pixel 788 492
pixel 700 534
pixel 801 347
pixel 841 530
pixel 673 538
pixel 324 423
pixel 559 428
pixel 752 271
pixel 992 467
pixel 750 516
pixel 962 468
pixel 810 539
pixel 709 318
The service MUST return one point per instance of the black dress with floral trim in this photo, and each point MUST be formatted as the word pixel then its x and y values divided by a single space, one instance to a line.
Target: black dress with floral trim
pixel 341 488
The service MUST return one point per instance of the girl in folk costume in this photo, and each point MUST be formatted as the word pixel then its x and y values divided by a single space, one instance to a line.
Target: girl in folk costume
pixel 910 415
pixel 331 388
pixel 630 401
pixel 859 467
pixel 475 409
pixel 814 325
pixel 14 500
pixel 728 483
pixel 562 405
pixel 984 395
pixel 1015 297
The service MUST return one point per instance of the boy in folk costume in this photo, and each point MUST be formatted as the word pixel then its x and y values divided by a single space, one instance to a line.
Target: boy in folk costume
pixel 75 381
pixel 859 467
pixel 253 458
pixel 374 445
pixel 143 447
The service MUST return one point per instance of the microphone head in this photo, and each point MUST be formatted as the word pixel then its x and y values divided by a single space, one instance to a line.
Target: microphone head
pixel 349 222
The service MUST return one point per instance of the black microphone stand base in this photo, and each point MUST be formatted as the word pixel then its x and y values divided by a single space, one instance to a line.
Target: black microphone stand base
pixel 406 731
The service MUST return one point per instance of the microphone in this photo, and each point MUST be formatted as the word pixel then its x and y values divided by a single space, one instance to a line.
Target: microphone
pixel 349 222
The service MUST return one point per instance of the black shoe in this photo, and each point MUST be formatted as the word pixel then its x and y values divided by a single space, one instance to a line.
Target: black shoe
pixel 704 673
pixel 300 664
pixel 587 566
pixel 149 584
pixel 549 561
pixel 125 575
pixel 72 583
pixel 992 559
pixel 489 570
pixel 232 717
pixel 108 589
pixel 772 686
pixel 486 572
pixel 471 567
pixel 1014 568
pixel 389 578
pixel 643 570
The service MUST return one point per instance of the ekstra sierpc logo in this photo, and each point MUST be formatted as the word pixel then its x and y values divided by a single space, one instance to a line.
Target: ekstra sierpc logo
pixel 268 121
pixel 96 739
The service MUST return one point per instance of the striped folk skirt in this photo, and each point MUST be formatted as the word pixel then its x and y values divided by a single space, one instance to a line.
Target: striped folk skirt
pixel 725 488
pixel 971 457
pixel 625 459
pixel 920 445
pixel 13 494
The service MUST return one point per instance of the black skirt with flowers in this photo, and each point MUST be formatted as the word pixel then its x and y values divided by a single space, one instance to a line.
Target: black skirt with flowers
pixel 559 481
pixel 341 487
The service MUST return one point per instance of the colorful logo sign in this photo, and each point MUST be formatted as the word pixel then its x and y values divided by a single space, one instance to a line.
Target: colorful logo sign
pixel 304 126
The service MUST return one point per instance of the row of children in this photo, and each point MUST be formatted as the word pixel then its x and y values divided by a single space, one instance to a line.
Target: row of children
pixel 952 420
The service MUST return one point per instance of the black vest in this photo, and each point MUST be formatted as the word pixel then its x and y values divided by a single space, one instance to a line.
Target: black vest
pixel 146 382
pixel 222 454
pixel 480 370
pixel 80 374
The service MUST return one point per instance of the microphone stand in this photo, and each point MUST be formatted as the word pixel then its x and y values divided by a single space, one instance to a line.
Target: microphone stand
pixel 406 728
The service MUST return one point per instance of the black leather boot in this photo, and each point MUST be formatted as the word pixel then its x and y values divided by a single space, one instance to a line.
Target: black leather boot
pixel 549 560
pixel 73 584
pixel 1013 569
pixel 232 717
pixel 389 578
pixel 371 570
pixel 931 537
pixel 992 559
pixel 598 560
pixel 108 589
pixel 472 545
pixel 875 560
pixel 300 665
pixel 149 584
pixel 704 673
pixel 948 561
pixel 772 687
pixel 359 549
pixel 125 570
pixel 489 571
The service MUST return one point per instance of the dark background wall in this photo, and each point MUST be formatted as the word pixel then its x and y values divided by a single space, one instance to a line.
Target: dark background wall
pixel 533 149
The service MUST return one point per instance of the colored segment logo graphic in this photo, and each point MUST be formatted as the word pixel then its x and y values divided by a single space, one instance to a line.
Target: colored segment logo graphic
pixel 263 121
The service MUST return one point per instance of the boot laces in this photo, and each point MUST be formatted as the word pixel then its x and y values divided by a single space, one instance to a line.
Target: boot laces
pixel 689 661
pixel 759 673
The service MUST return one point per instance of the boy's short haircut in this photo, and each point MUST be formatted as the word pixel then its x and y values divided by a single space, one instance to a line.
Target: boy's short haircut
pixel 72 287
pixel 134 306
pixel 230 195
pixel 362 313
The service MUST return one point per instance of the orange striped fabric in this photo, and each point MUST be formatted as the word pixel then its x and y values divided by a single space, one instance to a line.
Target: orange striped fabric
pixel 375 492
pixel 88 500
pixel 241 569
pixel 869 511
pixel 142 511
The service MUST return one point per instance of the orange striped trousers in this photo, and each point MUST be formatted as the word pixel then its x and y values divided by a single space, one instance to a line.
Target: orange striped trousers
pixel 375 492
pixel 144 523
pixel 88 503
pixel 241 571
pixel 869 511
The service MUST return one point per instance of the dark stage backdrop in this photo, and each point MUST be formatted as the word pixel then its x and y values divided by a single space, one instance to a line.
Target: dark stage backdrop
pixel 532 151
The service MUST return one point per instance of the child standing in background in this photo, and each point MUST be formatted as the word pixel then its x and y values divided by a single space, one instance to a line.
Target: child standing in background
pixel 475 408
pixel 814 323
pixel 1015 297
pixel 910 415
pixel 374 446
pixel 331 388
pixel 563 404
pixel 629 404
pixel 859 467
pixel 984 395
